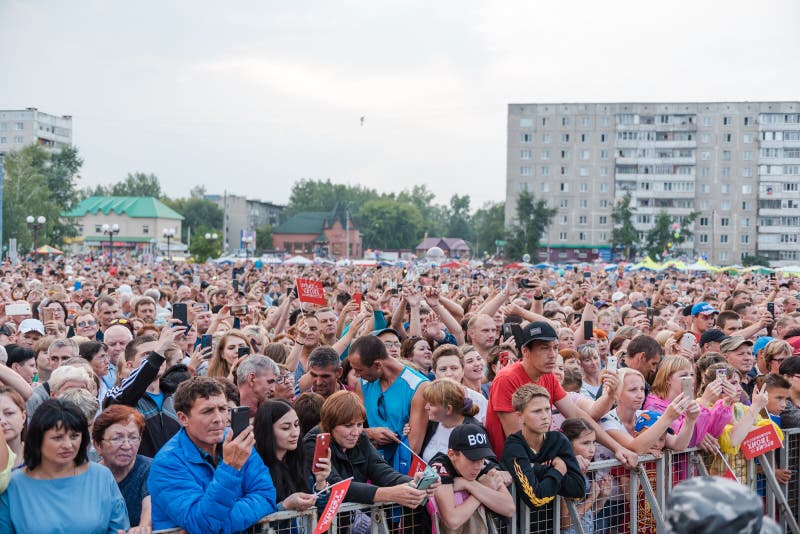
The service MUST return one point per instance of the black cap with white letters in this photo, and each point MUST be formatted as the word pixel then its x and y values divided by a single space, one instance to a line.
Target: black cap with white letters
pixel 471 441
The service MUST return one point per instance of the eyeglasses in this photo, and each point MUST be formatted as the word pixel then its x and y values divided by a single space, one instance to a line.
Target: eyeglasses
pixel 118 441
pixel 388 344
pixel 84 324
pixel 382 408
pixel 283 379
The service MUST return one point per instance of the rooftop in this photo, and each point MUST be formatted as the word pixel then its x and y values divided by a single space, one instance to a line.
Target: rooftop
pixel 135 207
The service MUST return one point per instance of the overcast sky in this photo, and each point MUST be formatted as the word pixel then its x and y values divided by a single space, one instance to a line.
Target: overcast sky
pixel 253 95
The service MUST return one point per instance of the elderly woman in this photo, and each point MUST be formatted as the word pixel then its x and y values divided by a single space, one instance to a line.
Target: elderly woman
pixel 85 324
pixel 352 455
pixel 81 496
pixel 116 434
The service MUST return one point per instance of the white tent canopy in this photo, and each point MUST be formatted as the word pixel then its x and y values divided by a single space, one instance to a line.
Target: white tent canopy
pixel 298 260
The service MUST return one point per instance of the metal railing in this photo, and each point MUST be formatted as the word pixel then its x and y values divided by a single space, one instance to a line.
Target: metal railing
pixel 635 504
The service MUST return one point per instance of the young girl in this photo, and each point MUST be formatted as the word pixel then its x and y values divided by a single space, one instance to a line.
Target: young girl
pixel 581 436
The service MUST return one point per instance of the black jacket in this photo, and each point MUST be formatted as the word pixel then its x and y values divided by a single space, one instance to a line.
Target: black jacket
pixel 159 425
pixel 537 483
pixel 362 462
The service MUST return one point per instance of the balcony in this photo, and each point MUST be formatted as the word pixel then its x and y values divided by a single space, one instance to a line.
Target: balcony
pixel 654 161
pixel 762 245
pixel 779 194
pixel 777 229
pixel 650 210
pixel 683 126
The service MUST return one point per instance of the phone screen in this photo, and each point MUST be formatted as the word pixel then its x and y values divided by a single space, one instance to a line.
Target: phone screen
pixel 240 418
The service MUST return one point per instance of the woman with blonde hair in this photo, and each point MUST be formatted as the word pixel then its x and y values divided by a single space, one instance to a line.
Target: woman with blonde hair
pixel 775 353
pixel 668 384
pixel 226 353
pixel 448 406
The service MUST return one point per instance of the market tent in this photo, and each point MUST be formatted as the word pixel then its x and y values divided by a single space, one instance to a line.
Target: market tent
pixel 47 249
pixel 298 260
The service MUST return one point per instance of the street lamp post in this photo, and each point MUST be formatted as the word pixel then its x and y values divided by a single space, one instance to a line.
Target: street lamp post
pixel 110 231
pixel 169 234
pixel 212 238
pixel 35 224
pixel 247 240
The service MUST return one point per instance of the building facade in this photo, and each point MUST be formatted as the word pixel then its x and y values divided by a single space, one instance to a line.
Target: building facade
pixel 243 217
pixel 141 220
pixel 325 234
pixel 30 126
pixel 736 164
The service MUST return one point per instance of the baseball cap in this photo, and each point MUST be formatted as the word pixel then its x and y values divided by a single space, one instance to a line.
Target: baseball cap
pixel 600 304
pixel 471 441
pixel 795 343
pixel 376 333
pixel 619 295
pixel 790 366
pixel 710 336
pixel 733 343
pixel 715 504
pixel 703 307
pixel 537 331
pixel 761 343
pixel 639 305
pixel 31 325
pixel 646 419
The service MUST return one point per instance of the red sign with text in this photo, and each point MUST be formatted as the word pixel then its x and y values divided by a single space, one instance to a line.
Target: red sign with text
pixel 338 491
pixel 762 439
pixel 310 291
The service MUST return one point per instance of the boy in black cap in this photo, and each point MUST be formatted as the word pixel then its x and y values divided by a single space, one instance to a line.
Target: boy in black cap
pixel 461 497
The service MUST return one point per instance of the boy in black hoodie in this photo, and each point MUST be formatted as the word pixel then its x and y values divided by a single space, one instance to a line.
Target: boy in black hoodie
pixel 541 463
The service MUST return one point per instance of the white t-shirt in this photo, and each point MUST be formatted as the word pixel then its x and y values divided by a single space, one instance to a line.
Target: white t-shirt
pixel 439 442
pixel 481 402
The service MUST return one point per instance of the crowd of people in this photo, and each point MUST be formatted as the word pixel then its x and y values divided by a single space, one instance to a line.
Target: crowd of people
pixel 205 397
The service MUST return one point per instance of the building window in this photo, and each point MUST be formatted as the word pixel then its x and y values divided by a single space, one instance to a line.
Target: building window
pixel 706 121
pixel 584 138
pixel 525 154
pixel 723 256
pixel 581 236
pixel 727 137
pixel 747 189
pixel 705 155
pixel 724 221
pixel 18 139
pixel 524 137
pixel 723 238
pixel 603 219
pixel 705 138
pixel 564 154
pixel 725 205
pixel 564 203
pixel 583 203
pixel 604 203
pixel 744 239
pixel 703 221
pixel 584 154
pixel 703 238
pixel 564 187
pixel 564 121
pixel 747 138
pixel 604 154
pixel 747 155
pixel 603 187
pixel 603 171
pixel 98 229
pixel 19 126
pixel 583 171
pixel 545 187
pixel 545 155
pixel 545 171
pixel 546 138
pixel 562 236
pixel 565 138
pixel 747 172
pixel 584 187
pixel 145 229
pixel 726 155
pixel 564 171
pixel 545 121
pixel 726 121
pixel 603 138
pixel 562 219
pixel 525 171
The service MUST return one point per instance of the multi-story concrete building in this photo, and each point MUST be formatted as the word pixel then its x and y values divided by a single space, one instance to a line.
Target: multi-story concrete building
pixel 734 163
pixel 27 126
pixel 243 217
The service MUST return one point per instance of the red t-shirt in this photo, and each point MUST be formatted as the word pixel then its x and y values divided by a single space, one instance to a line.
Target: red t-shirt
pixel 503 387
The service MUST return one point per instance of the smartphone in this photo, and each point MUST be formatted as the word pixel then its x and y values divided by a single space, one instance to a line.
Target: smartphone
pixel 722 374
pixel 773 276
pixel 576 317
pixel 206 340
pixel 651 312
pixel 111 290
pixel 203 305
pixel 687 386
pixel 503 357
pixel 73 308
pixel 524 283
pixel 587 274
pixel 180 312
pixel 588 330
pixel 393 291
pixel 321 448
pixel 235 286
pixel 429 477
pixel 358 297
pixel 771 308
pixel 240 419
pixel 77 285
pixel 46 315
pixel 611 364
pixel 444 288
pixel 687 341
pixel 18 309
pixel 243 351
pixel 239 310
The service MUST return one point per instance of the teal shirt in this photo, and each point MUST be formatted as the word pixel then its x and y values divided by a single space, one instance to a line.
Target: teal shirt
pixel 88 503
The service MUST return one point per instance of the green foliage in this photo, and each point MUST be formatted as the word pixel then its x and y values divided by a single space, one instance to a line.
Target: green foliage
pixel 136 184
pixel 264 238
pixel 488 224
pixel 662 238
pixel 624 236
pixel 201 248
pixel 434 216
pixel 389 224
pixel 750 261
pixel 533 217
pixel 459 220
pixel 198 213
pixel 319 195
pixel 27 192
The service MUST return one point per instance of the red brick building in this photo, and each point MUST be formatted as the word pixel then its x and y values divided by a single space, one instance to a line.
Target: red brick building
pixel 314 233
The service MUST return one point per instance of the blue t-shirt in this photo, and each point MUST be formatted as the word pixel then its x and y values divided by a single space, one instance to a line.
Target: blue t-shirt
pixel 88 502
pixel 158 398
pixel 134 488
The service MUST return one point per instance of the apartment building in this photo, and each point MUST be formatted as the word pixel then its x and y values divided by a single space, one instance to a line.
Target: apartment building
pixel 243 216
pixel 735 163
pixel 26 126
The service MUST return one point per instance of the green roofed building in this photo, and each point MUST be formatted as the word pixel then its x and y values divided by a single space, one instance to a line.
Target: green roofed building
pixel 141 222
pixel 319 233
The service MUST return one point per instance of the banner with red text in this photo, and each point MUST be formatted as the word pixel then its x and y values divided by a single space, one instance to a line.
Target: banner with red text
pixel 762 439
pixel 335 500
pixel 310 291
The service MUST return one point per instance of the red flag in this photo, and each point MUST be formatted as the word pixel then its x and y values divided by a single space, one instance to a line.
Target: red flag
pixel 417 465
pixel 335 500
pixel 760 440
pixel 310 291
pixel 729 474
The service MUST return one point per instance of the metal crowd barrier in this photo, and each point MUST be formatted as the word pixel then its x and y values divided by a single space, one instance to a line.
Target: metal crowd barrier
pixel 636 502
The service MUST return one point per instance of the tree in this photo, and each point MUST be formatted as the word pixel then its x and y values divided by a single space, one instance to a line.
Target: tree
pixel 26 192
pixel 533 217
pixel 201 248
pixel 264 237
pixel 138 184
pixel 624 236
pixel 663 236
pixel 459 224
pixel 389 224
pixel 750 261
pixel 198 212
pixel 434 216
pixel 319 195
pixel 489 226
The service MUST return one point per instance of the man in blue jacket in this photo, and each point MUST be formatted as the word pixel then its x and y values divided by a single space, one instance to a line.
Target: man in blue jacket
pixel 202 480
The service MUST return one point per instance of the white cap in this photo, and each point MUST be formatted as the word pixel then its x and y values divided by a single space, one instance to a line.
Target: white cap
pixel 31 325
pixel 125 289
pixel 619 295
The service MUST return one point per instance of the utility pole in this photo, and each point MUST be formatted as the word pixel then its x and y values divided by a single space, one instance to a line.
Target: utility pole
pixel 347 231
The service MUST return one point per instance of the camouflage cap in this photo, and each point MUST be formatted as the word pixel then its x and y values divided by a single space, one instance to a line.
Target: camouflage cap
pixel 715 504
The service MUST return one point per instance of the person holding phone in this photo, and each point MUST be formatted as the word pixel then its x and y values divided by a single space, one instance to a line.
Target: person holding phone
pixel 277 434
pixel 204 479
